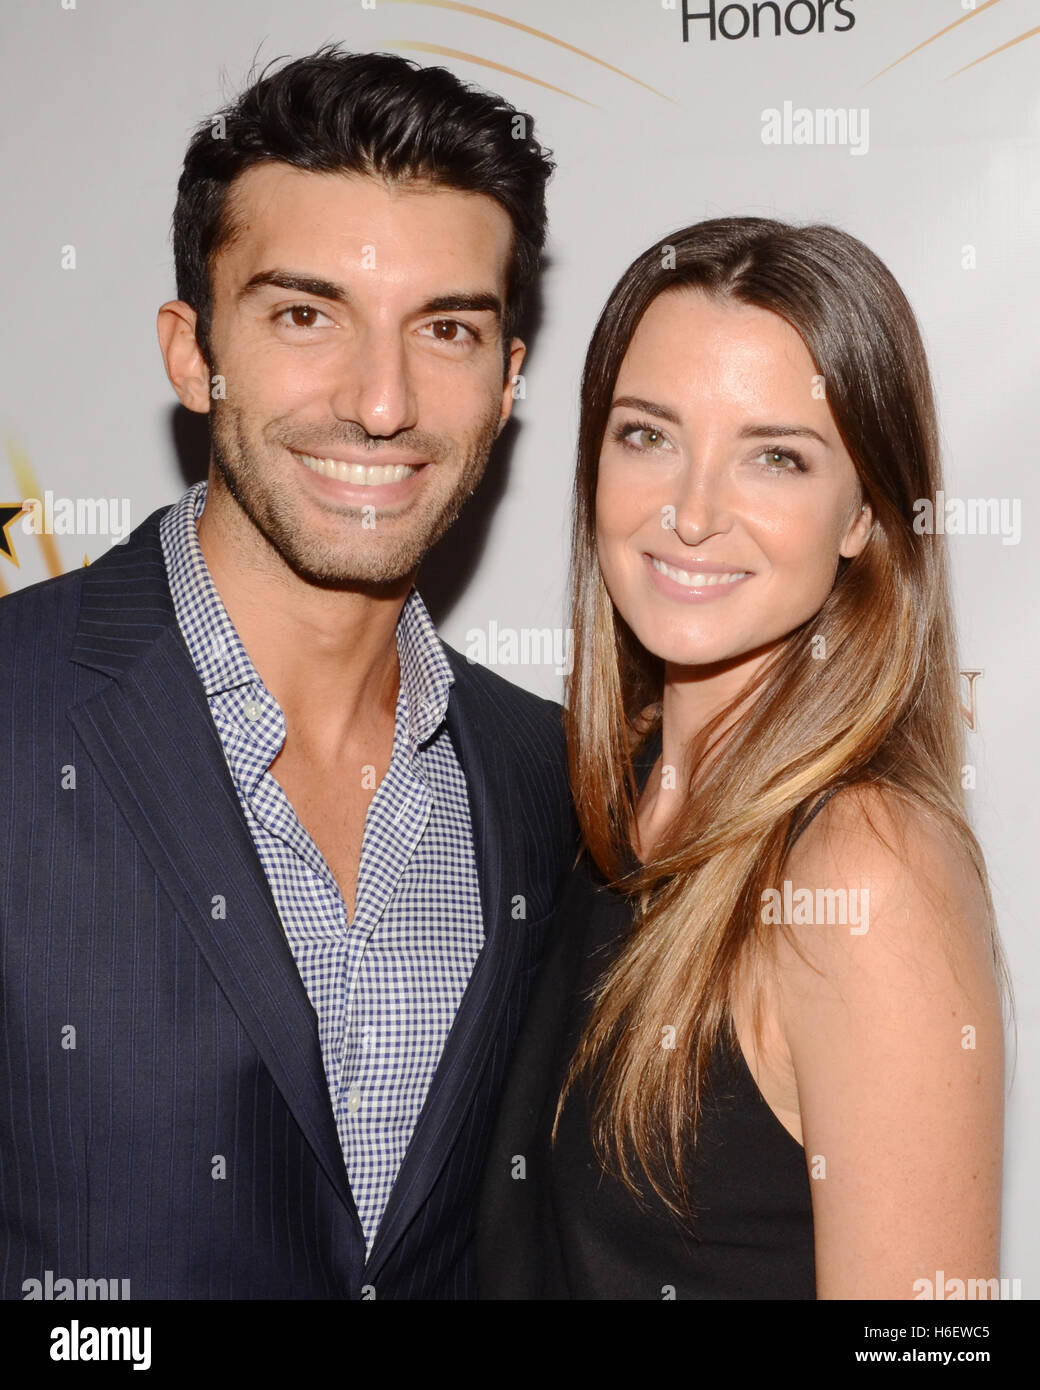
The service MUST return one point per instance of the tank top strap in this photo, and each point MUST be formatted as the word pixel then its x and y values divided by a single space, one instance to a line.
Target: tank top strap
pixel 643 761
pixel 798 827
pixel 643 764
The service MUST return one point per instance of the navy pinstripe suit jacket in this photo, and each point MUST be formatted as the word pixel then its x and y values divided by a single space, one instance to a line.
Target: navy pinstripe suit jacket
pixel 164 1116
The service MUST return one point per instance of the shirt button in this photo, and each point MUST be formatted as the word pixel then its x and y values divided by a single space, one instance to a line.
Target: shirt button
pixel 252 710
pixel 354 1099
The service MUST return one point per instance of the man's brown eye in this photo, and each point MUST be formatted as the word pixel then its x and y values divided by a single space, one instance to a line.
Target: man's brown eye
pixel 446 329
pixel 300 310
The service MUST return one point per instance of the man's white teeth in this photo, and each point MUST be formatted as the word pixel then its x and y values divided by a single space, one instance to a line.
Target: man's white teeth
pixel 362 474
pixel 695 579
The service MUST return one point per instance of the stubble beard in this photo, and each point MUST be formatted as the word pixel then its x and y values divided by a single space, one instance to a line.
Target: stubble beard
pixel 365 559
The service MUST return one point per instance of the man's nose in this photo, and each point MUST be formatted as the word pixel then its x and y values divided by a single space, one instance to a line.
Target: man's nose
pixel 375 389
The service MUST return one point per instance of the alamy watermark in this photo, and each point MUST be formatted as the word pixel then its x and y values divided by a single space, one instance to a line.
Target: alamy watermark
pixel 969 516
pixel 81 1342
pixel 58 1288
pixel 943 1287
pixel 823 907
pixel 819 125
pixel 77 516
pixel 524 646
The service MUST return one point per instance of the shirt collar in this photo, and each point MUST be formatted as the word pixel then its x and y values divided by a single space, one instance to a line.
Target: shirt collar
pixel 223 663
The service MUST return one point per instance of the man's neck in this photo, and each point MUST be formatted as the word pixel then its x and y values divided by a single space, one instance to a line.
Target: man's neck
pixel 328 656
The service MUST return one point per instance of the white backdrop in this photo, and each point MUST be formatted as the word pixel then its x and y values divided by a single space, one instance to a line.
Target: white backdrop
pixel 939 172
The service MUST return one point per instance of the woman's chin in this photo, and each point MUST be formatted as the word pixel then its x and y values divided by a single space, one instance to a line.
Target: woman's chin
pixel 695 648
pixel 704 660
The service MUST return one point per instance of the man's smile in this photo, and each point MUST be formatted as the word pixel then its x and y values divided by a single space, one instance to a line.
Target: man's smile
pixel 360 474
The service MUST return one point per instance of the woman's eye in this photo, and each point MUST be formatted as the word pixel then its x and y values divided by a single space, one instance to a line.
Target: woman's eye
pixel 641 437
pixel 301 316
pixel 782 460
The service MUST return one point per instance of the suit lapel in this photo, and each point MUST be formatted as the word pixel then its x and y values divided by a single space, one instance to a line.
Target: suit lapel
pixel 150 734
pixel 471 1039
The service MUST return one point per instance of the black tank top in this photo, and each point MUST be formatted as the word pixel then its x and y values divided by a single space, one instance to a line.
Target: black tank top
pixel 554 1225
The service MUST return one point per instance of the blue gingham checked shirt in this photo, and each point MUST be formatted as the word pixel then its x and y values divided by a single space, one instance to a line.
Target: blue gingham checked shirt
pixel 386 986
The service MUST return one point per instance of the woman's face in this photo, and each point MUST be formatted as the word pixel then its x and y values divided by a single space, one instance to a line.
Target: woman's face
pixel 725 494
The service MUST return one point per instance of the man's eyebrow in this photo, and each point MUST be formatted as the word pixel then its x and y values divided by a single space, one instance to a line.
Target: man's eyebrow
pixel 299 284
pixel 454 302
pixel 462 303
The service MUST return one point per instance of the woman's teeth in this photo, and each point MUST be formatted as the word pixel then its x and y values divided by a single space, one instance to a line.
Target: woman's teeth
pixel 362 474
pixel 695 579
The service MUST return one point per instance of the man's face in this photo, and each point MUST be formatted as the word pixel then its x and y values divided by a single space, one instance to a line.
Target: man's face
pixel 358 330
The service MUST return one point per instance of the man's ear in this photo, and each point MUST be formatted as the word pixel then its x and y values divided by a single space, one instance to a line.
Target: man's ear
pixel 185 365
pixel 517 353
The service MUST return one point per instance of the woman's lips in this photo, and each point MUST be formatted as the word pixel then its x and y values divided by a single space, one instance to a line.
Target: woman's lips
pixel 695 583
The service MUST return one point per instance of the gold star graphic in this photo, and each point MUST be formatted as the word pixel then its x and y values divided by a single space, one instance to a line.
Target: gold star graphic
pixel 9 514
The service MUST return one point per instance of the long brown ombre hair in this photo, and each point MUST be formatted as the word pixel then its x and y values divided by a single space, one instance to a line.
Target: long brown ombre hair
pixel 882 710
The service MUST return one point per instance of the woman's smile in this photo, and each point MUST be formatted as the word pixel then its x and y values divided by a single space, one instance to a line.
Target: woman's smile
pixel 694 581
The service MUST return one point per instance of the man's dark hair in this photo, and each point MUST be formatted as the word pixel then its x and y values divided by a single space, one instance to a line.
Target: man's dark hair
pixel 366 113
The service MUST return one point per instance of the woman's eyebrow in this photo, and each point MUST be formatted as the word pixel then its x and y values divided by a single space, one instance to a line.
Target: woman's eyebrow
pixel 648 407
pixel 762 431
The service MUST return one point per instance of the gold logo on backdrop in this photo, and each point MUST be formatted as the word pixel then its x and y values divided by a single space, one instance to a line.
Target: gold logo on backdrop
pixel 972 14
pixel 27 484
pixel 441 51
pixel 969 706
pixel 9 514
